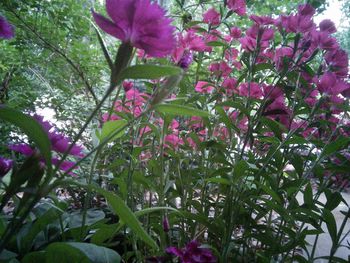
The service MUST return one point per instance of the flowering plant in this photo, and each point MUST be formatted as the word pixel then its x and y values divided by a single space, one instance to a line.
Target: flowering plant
pixel 212 142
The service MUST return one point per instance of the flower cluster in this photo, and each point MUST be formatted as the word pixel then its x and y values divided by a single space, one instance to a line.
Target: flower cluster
pixel 321 83
pixel 192 253
pixel 59 144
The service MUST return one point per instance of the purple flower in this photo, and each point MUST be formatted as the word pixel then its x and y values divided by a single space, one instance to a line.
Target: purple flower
pixel 6 29
pixel 306 10
pixel 65 165
pixel 141 23
pixel 5 166
pixel 338 61
pixel 22 148
pixel 186 60
pixel 212 17
pixel 237 6
pixel 61 144
pixel 45 124
pixel 166 226
pixel 328 26
pixel 192 253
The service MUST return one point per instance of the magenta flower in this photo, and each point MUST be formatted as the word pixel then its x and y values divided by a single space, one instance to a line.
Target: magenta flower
pixel 230 85
pixel 338 61
pixel 327 26
pixel 22 148
pixel 6 29
pixel 237 6
pixel 166 225
pixel 235 32
pixel 262 20
pixel 5 166
pixel 306 10
pixel 203 87
pixel 186 60
pixel 329 84
pixel 192 253
pixel 211 17
pixel 139 22
pixel 220 69
pixel 59 144
pixel 173 141
pixel 251 89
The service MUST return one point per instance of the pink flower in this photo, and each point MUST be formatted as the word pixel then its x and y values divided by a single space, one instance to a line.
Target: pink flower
pixel 139 22
pixel 203 87
pixel 235 32
pixel 311 100
pixel 262 20
pixel 221 133
pixel 327 26
pixel 193 253
pixel 237 6
pixel 324 41
pixel 127 85
pixel 230 85
pixel 251 89
pixel 296 23
pixel 329 84
pixel 211 17
pixel 220 69
pixel 195 122
pixel 173 140
pixel 231 54
pixel 306 10
pixel 282 57
pixel 6 29
pixel 242 121
pixel 110 117
pixel 338 62
pixel 265 33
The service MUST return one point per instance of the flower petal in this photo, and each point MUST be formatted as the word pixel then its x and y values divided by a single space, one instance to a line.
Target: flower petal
pixel 108 26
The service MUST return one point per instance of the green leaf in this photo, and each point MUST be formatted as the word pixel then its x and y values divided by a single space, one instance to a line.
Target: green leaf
pixel 75 219
pixel 331 224
pixel 110 127
pixel 39 225
pixel 149 72
pixel 6 255
pixel 216 44
pixel 218 180
pixel 126 215
pixel 263 66
pixel 67 252
pixel 108 231
pixel 274 126
pixel 37 256
pixel 335 146
pixel 31 128
pixel 308 195
pixel 181 110
pixel 333 199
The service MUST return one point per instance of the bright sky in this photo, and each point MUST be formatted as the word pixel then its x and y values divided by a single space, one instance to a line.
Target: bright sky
pixel 333 12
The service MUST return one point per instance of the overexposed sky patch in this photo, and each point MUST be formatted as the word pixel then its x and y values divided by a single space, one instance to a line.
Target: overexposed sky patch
pixel 333 12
